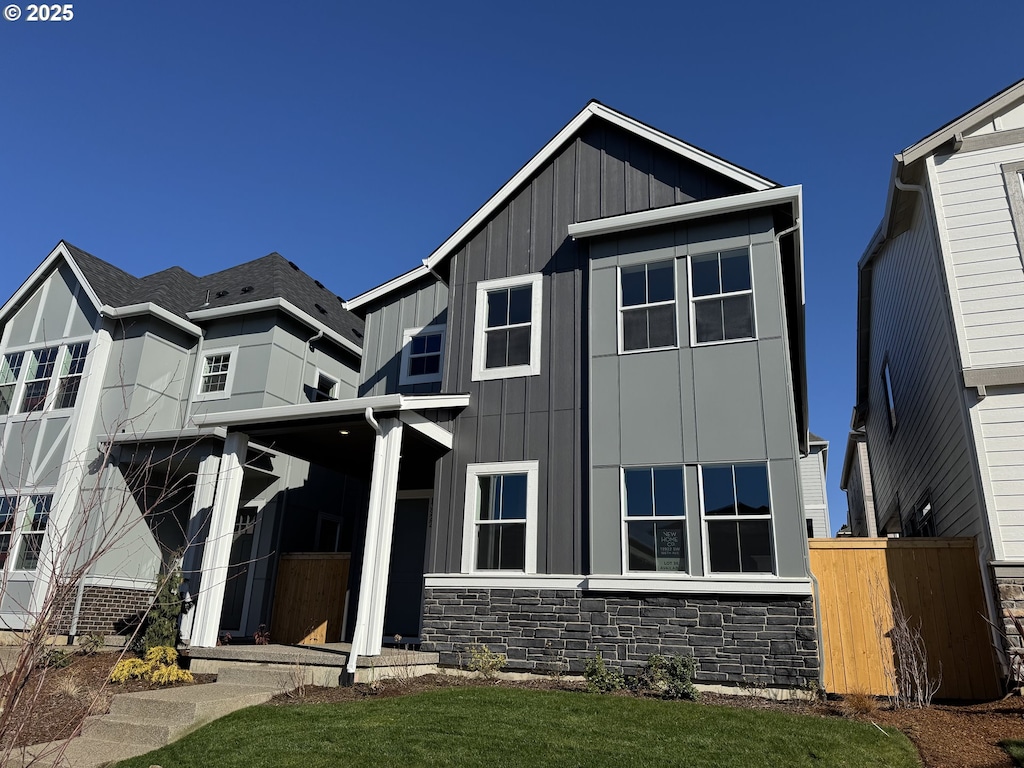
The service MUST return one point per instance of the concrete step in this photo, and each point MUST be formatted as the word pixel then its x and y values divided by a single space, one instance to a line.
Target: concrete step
pixel 154 733
pixel 282 677
pixel 81 752
pixel 189 705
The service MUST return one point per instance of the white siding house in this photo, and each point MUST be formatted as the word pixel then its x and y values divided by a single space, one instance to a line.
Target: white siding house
pixel 813 468
pixel 940 344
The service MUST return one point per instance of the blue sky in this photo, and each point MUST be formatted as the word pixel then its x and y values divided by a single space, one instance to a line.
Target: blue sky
pixel 353 138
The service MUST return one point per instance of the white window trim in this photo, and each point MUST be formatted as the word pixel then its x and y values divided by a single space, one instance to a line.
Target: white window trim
pixel 232 366
pixel 63 346
pixel 694 300
pixel 480 373
pixel 333 394
pixel 685 573
pixel 706 542
pixel 674 303
pixel 408 335
pixel 474 471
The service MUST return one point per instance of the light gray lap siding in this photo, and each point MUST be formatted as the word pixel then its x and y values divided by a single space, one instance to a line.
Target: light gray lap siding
pixel 929 453
pixel 543 417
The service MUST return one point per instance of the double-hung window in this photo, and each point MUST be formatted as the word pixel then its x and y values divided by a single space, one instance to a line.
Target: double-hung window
pixel 500 530
pixel 72 368
pixel 326 388
pixel 34 514
pixel 506 336
pixel 722 295
pixel 37 379
pixel 216 374
pixel 8 510
pixel 654 513
pixel 647 306
pixel 737 517
pixel 422 354
pixel 10 372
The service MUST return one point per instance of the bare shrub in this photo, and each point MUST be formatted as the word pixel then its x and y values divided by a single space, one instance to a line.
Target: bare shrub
pixel 859 703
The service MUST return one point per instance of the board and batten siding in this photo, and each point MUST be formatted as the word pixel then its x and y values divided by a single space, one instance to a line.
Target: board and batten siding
pixel 422 304
pixel 928 455
pixel 600 172
pixel 988 295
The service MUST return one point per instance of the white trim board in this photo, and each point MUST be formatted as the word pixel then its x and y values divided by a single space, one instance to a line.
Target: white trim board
pixel 771 585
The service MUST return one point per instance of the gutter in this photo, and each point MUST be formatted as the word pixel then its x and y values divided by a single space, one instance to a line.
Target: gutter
pixel 149 308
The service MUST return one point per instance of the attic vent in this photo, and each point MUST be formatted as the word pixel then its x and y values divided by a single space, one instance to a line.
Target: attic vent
pixel 320 309
pixel 293 265
pixel 318 284
pixel 221 294
pixel 247 289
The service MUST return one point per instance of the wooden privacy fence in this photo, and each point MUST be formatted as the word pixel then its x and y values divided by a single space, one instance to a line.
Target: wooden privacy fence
pixel 937 582
pixel 309 599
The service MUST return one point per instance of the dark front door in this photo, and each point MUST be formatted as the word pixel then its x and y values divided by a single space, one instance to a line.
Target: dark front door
pixel 405 584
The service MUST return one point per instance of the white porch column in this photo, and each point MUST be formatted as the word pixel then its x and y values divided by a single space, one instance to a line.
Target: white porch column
pixel 217 549
pixel 380 523
pixel 198 526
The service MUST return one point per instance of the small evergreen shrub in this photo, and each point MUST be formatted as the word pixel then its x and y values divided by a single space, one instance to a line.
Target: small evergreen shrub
pixel 162 619
pixel 670 676
pixel 55 658
pixel 129 669
pixel 601 679
pixel 485 661
pixel 91 643
pixel 159 666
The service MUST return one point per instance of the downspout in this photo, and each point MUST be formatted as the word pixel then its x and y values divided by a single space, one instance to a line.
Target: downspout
pixel 359 633
pixel 191 383
pixel 305 352
pixel 815 589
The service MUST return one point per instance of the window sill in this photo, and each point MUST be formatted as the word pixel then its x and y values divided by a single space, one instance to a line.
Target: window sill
pixel 217 396
pixel 723 341
pixel 648 349
pixel 512 372
pixel 409 380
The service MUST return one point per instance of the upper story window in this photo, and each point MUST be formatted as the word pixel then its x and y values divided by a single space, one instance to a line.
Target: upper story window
pixel 23 524
pixel 217 374
pixel 722 295
pixel 422 354
pixel 647 306
pixel 500 532
pixel 326 388
pixel 506 335
pixel 738 518
pixel 39 379
pixel 654 513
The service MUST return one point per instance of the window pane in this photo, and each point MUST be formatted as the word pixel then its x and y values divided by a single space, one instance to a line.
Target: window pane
pixel 739 317
pixel 217 382
pixel 7 506
pixel 42 363
pixel 501 546
pixel 488 502
pixel 735 271
pixel 497 308
pixel 11 367
pixel 35 395
pixel 705 274
pixel 718 491
pixel 6 399
pixel 708 315
pixel 639 495
pixel 513 501
pixel 662 325
pixel 75 363
pixel 519 346
pixel 520 305
pixel 668 491
pixel 660 282
pixel 28 556
pixel 752 490
pixel 496 351
pixel 755 546
pixel 419 345
pixel 5 548
pixel 633 280
pixel 634 329
pixel 416 366
pixel 723 546
pixel 431 364
pixel 640 551
pixel 433 342
pixel 669 545
pixel 67 392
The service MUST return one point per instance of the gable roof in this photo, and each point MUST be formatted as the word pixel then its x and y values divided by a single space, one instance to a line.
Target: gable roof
pixel 593 110
pixel 270 281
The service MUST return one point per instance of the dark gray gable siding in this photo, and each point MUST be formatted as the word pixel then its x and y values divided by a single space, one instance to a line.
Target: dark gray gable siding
pixel 603 171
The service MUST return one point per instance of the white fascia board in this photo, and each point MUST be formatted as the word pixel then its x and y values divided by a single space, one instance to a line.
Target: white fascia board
pixel 502 580
pixel 279 304
pixel 769 585
pixel 40 272
pixel 149 308
pixel 169 435
pixel 350 407
pixel 543 156
pixel 981 113
pixel 687 211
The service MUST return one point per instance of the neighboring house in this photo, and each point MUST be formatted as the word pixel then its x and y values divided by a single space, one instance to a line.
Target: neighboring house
pixel 578 425
pixel 940 342
pixel 101 374
pixel 856 481
pixel 813 471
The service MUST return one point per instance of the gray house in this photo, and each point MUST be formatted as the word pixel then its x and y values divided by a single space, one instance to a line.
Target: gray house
pixel 940 345
pixel 576 427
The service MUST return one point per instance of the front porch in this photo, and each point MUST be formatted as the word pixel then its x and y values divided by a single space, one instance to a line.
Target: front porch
pixel 323 664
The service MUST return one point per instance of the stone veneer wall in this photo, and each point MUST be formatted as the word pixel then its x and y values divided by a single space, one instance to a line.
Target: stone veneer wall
pixel 106 611
pixel 737 639
pixel 1011 602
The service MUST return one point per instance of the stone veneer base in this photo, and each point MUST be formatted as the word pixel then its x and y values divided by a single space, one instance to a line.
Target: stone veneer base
pixel 753 640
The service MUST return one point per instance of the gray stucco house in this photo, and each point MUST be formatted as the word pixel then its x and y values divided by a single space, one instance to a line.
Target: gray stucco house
pixel 575 427
pixel 940 347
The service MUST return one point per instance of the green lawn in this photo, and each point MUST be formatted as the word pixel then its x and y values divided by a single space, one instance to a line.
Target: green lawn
pixel 1015 749
pixel 496 727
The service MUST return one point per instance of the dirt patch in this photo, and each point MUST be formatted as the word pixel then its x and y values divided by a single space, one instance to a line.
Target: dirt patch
pixel 56 701
pixel 946 735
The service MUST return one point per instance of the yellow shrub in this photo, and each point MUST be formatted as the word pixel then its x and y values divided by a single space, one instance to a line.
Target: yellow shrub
pixel 160 667
pixel 165 674
pixel 161 654
pixel 129 669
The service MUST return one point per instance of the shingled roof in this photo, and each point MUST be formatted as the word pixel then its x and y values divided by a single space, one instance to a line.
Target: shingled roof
pixel 181 292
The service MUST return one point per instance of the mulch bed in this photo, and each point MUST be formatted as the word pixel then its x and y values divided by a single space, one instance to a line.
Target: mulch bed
pixel 946 735
pixel 55 709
